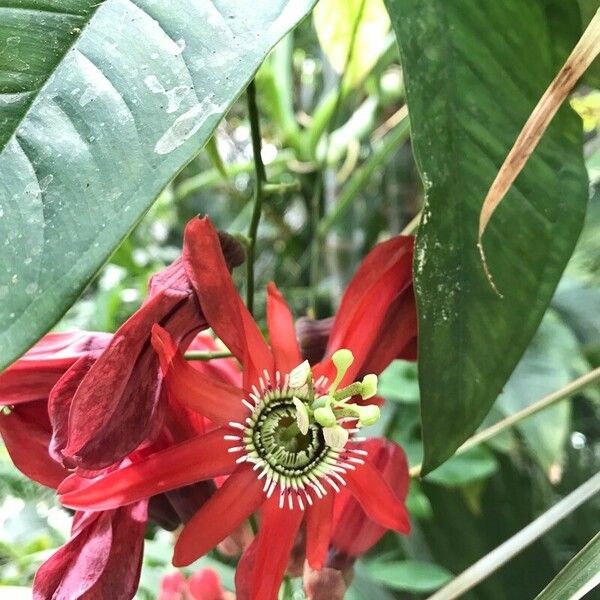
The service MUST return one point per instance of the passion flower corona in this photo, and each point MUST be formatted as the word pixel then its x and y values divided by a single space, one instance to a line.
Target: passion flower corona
pixel 300 434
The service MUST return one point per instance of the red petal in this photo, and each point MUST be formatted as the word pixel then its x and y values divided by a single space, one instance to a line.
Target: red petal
pixel 200 458
pixel 119 402
pixel 319 521
pixel 220 301
pixel 59 404
pixel 218 401
pixel 278 530
pixel 397 335
pixel 384 274
pixel 33 375
pixel 354 533
pixel 104 554
pixel 231 504
pixel 382 257
pixel 244 572
pixel 26 434
pixel 282 332
pixel 377 498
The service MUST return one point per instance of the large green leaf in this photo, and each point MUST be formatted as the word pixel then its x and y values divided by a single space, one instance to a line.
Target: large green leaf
pixel 473 74
pixel 580 576
pixel 101 103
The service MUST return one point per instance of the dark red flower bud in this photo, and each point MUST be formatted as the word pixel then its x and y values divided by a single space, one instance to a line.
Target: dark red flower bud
pixel 325 584
pixel 313 335
pixel 119 401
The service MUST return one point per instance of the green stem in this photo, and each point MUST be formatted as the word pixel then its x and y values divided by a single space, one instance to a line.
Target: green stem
pixel 288 592
pixel 561 394
pixel 261 179
pixel 207 355
pixel 327 123
pixel 281 188
pixel 315 267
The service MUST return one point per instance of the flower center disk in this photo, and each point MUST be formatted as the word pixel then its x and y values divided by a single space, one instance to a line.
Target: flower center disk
pixel 276 439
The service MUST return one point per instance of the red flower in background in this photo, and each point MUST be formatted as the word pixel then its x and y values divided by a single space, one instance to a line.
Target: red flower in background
pixel 62 395
pixel 287 438
pixel 105 550
pixel 202 585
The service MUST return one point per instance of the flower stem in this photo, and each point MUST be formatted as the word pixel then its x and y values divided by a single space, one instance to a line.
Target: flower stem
pixel 261 179
pixel 315 206
pixel 561 394
pixel 207 355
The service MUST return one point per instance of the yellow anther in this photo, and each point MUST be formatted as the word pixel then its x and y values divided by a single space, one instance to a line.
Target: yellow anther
pixel 336 437
pixel 369 386
pixel 368 415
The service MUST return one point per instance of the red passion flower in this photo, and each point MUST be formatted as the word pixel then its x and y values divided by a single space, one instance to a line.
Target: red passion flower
pixel 288 439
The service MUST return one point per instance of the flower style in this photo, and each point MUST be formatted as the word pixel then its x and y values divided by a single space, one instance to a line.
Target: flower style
pixel 288 438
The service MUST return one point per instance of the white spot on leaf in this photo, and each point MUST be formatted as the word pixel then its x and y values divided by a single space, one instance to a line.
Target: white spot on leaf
pixel 187 125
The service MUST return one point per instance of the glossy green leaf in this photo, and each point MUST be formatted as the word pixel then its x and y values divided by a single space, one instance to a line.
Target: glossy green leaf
pixel 409 575
pixel 101 104
pixel 580 576
pixel 473 74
